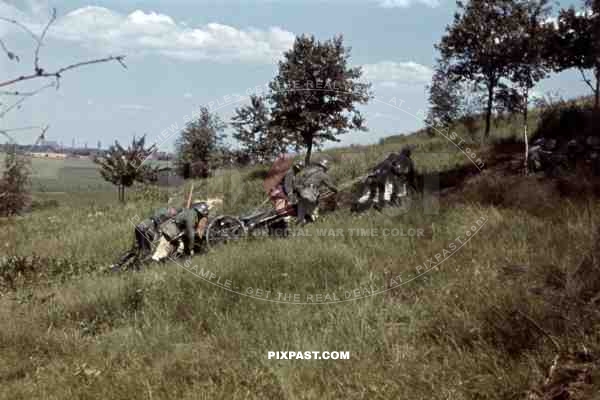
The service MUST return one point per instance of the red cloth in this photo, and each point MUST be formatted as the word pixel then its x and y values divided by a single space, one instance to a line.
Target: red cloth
pixel 277 172
pixel 280 201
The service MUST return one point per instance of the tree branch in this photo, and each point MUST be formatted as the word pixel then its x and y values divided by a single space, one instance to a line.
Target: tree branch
pixel 9 54
pixel 41 40
pixel 33 93
pixel 587 80
pixel 20 25
pixel 57 73
pixel 43 130
pixel 23 97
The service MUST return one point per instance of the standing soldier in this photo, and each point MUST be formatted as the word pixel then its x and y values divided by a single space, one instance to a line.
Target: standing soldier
pixel 289 180
pixel 307 187
pixel 145 233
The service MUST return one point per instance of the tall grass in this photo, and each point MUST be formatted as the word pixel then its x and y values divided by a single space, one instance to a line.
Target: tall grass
pixel 482 324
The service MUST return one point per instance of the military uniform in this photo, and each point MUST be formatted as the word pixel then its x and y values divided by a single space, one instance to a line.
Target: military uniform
pixel 145 233
pixel 187 221
pixel 184 227
pixel 307 188
pixel 288 185
pixel 397 168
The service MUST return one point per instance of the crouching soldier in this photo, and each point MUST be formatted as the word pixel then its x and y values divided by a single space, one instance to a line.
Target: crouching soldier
pixel 181 231
pixel 145 233
pixel 307 188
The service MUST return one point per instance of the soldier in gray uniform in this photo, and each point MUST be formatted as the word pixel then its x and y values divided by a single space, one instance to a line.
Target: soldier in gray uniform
pixel 307 188
pixel 289 180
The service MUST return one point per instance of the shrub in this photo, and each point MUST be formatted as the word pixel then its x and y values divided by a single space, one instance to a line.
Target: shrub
pixel 564 121
pixel 14 186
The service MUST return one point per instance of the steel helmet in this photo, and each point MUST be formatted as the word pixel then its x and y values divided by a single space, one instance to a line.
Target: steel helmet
pixel 298 165
pixel 324 163
pixel 201 208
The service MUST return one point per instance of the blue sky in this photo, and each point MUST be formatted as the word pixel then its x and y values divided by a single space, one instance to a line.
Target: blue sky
pixel 182 54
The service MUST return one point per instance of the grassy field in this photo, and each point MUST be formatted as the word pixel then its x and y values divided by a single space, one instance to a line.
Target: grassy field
pixel 484 322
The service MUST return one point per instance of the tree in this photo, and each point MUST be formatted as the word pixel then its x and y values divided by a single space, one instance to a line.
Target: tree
pixel 14 186
pixel 122 167
pixel 444 97
pixel 529 64
pixel 259 138
pixel 576 44
pixel 452 101
pixel 315 93
pixel 477 43
pixel 199 145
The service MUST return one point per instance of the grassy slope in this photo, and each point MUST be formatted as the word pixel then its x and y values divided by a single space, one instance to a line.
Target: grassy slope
pixel 458 332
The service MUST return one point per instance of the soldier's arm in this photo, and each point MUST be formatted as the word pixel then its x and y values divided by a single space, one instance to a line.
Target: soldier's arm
pixel 190 231
pixel 328 181
pixel 288 183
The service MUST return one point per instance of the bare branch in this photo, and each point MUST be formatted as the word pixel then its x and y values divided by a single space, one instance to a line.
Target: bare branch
pixel 20 25
pixel 587 80
pixel 9 54
pixel 22 99
pixel 33 93
pixel 42 135
pixel 57 73
pixel 12 106
pixel 41 41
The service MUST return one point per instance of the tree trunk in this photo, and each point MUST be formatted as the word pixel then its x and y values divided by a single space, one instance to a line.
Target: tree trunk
pixel 525 126
pixel 488 112
pixel 121 193
pixel 597 91
pixel 309 145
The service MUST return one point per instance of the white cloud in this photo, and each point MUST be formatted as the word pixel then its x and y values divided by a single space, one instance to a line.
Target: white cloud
pixel 157 33
pixel 187 95
pixel 392 74
pixel 407 3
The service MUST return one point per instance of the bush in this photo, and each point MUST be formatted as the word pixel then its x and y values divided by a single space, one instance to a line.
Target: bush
pixel 14 186
pixel 565 121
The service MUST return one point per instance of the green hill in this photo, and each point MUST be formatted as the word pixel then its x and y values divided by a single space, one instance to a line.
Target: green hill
pixel 498 272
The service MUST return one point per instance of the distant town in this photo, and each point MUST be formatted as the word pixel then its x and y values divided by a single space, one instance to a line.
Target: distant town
pixel 50 149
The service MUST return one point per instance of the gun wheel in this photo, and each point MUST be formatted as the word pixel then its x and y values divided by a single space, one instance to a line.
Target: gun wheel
pixel 224 229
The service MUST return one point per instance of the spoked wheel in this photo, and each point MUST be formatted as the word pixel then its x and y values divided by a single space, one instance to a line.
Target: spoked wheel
pixel 403 201
pixel 224 229
pixel 362 199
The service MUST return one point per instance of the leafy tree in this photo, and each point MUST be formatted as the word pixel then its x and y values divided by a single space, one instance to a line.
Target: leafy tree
pixel 259 138
pixel 122 167
pixel 14 186
pixel 452 101
pixel 444 97
pixel 199 145
pixel 576 44
pixel 477 43
pixel 315 93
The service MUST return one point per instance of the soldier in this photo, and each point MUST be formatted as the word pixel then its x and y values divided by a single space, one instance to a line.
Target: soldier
pixel 397 168
pixel 144 234
pixel 307 187
pixel 191 222
pixel 289 179
pixel 403 168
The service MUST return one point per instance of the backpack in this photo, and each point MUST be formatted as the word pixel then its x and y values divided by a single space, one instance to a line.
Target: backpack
pixel 170 229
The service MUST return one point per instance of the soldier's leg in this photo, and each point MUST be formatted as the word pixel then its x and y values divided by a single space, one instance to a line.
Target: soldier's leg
pixel 301 211
pixel 311 208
